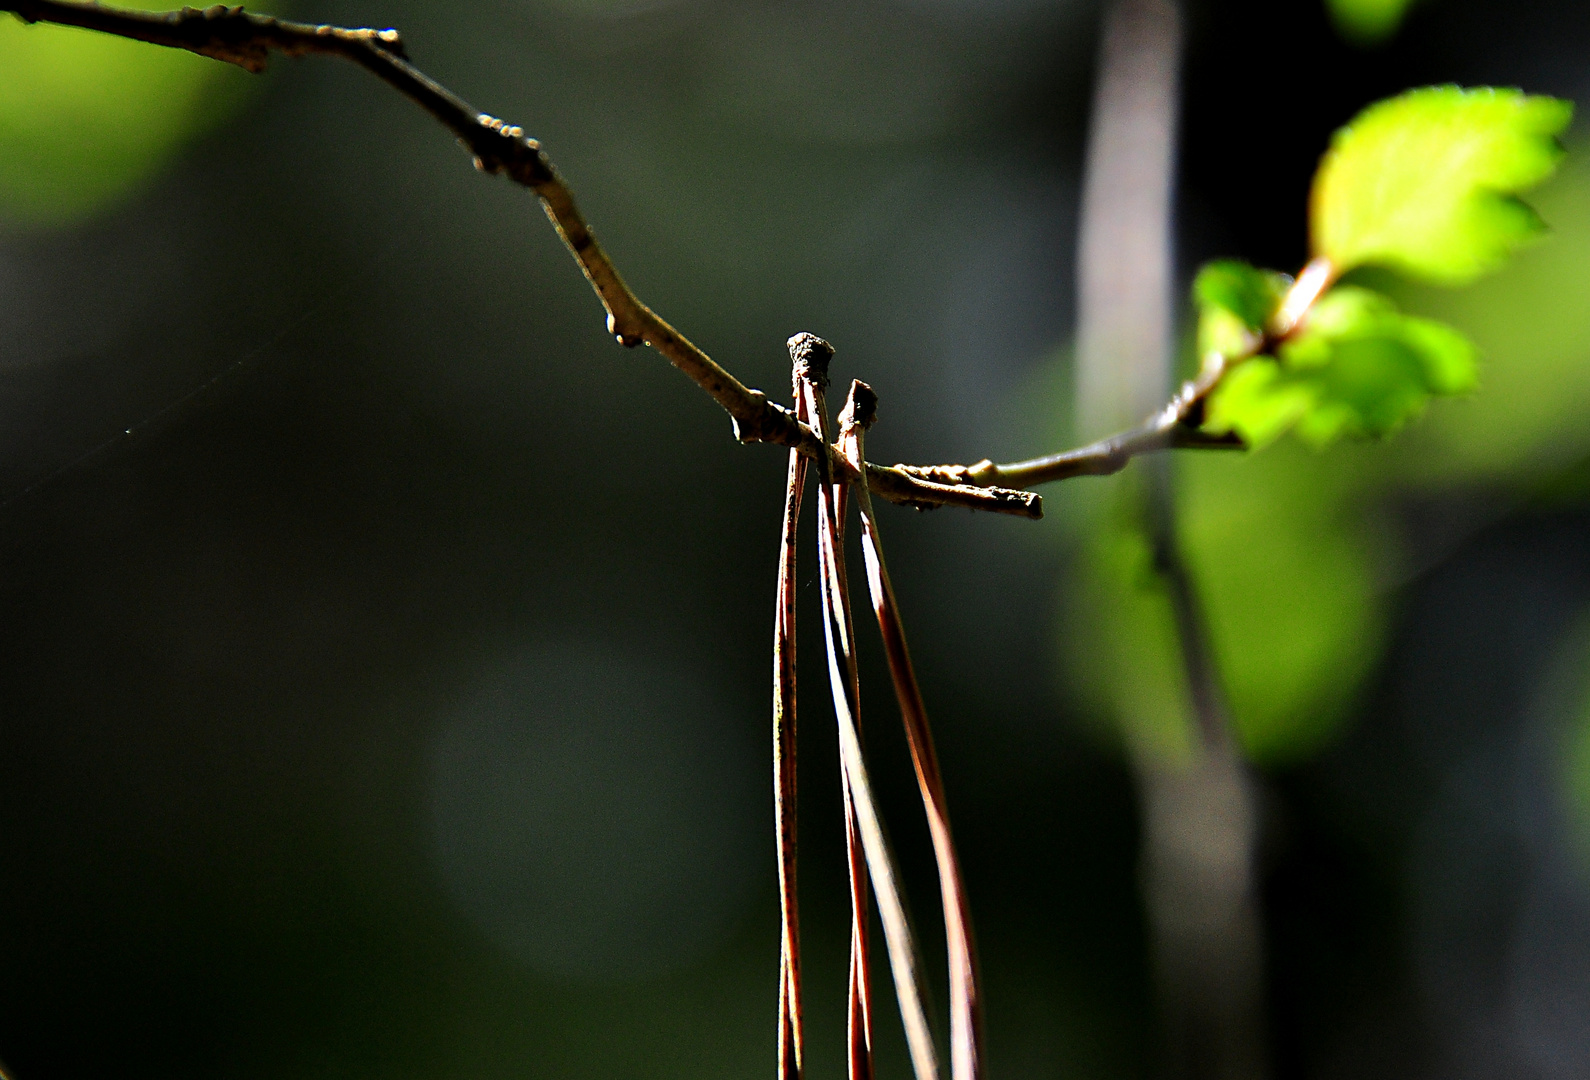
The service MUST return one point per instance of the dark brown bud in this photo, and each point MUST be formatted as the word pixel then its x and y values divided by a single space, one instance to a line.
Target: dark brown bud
pixel 861 407
pixel 811 355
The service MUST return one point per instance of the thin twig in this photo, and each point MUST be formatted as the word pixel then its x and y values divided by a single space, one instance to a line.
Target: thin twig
pixel 791 1036
pixel 858 1020
pixel 1173 427
pixel 1312 281
pixel 811 355
pixel 1176 426
pixel 238 37
pixel 789 1053
pixel 966 1058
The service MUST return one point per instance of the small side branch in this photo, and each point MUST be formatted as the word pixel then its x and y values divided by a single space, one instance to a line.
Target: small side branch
pixel 1174 427
pixel 1177 426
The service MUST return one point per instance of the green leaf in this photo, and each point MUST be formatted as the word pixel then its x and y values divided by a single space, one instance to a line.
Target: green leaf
pixel 1357 367
pixel 1235 301
pixel 1423 183
pixel 1534 324
pixel 1259 402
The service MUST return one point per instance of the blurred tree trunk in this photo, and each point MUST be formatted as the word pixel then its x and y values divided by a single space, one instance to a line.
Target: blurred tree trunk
pixel 1198 818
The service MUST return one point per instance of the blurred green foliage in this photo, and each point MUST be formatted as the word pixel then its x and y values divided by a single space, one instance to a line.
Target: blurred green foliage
pixel 1368 22
pixel 1287 569
pixel 1295 550
pixel 1121 644
pixel 86 117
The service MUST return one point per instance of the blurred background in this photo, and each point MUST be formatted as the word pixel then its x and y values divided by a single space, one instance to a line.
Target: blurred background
pixel 384 653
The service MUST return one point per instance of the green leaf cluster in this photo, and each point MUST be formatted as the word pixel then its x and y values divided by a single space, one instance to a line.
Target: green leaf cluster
pixel 1358 367
pixel 1423 184
pixel 1288 556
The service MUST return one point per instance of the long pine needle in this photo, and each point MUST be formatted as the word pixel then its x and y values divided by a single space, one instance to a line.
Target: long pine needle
pixel 966 1061
pixel 811 355
pixel 791 1035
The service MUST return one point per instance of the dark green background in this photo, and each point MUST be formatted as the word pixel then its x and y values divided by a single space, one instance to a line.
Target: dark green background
pixel 384 652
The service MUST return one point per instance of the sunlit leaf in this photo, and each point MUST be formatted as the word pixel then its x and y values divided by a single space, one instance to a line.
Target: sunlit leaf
pixel 85 117
pixel 1532 324
pixel 1358 367
pixel 1424 183
pixel 1259 402
pixel 1235 301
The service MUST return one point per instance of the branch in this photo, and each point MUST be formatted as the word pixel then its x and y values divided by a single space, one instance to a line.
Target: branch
pixel 1173 427
pixel 238 37
pixel 1177 426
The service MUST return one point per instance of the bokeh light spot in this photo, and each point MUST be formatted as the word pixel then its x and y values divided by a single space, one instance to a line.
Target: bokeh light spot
pixel 86 117
pixel 593 811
